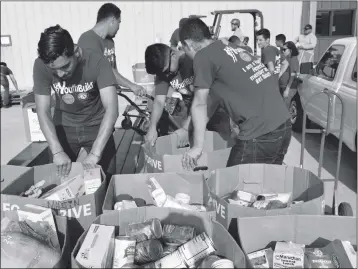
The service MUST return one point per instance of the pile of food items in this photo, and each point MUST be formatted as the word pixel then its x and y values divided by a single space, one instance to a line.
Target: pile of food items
pixel 337 254
pixel 70 188
pixel 261 201
pixel 149 245
pixel 30 240
pixel 161 199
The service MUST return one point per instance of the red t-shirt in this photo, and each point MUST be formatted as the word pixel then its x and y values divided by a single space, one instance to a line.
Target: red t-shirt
pixel 78 100
pixel 243 85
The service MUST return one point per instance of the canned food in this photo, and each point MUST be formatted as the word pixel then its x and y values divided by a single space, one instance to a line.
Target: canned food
pixel 148 251
pixel 176 235
pixel 122 197
pixel 125 204
pixel 151 229
pixel 208 261
pixel 124 249
pixel 223 263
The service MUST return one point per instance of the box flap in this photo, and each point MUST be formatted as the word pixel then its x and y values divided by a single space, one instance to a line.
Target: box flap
pixel 9 173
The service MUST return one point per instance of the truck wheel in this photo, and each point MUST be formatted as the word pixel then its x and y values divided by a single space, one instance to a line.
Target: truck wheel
pixel 345 209
pixel 296 112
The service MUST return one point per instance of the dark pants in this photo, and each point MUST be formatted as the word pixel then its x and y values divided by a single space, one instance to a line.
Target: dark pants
pixel 6 95
pixel 269 148
pixel 72 139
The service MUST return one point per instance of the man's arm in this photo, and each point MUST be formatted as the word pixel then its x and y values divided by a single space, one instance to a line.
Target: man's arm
pixel 270 57
pixel 43 108
pixel 122 81
pixel 158 107
pixel 199 116
pixel 110 103
pixel 311 45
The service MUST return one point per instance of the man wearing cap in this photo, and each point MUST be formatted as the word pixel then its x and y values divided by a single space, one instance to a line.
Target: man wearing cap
pixel 306 44
pixel 235 27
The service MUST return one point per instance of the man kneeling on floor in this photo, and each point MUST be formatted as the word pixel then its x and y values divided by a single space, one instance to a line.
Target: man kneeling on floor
pixel 86 101
pixel 248 92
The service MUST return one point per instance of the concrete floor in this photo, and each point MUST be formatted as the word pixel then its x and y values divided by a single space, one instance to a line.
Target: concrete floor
pixel 13 140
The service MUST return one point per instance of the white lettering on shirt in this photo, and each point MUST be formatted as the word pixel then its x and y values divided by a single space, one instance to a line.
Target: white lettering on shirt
pixel 61 89
pixel 182 86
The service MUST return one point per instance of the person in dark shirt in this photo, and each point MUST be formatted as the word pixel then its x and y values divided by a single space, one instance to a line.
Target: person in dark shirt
pixel 5 90
pixel 86 101
pixel 247 91
pixel 174 40
pixel 173 71
pixel 291 53
pixel 270 55
pixel 235 40
pixel 280 40
pixel 100 40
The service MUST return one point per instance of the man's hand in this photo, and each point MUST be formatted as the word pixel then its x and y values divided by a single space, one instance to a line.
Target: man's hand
pixel 151 136
pixel 90 161
pixel 190 158
pixel 182 137
pixel 138 90
pixel 286 93
pixel 63 163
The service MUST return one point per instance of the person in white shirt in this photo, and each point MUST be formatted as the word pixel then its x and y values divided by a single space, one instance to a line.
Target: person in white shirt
pixel 306 44
pixel 235 27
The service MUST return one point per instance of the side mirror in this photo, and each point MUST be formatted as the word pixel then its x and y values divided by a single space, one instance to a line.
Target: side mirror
pixel 306 68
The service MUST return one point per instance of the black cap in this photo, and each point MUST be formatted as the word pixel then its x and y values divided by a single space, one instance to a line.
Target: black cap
pixel 308 26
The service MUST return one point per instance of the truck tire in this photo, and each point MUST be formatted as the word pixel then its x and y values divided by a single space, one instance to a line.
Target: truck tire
pixel 296 111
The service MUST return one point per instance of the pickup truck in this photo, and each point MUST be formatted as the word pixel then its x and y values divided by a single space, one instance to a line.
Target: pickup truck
pixel 336 71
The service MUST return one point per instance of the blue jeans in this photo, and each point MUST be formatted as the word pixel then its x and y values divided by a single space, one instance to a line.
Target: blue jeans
pixel 269 148
pixel 72 139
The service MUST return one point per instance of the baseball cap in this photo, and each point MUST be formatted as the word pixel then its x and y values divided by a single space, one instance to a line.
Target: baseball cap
pixel 308 26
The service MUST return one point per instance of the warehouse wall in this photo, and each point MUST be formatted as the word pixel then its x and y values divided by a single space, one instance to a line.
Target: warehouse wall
pixel 143 22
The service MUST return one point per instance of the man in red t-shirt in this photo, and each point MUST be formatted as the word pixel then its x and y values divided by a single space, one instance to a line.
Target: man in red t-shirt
pixel 100 40
pixel 86 101
pixel 247 91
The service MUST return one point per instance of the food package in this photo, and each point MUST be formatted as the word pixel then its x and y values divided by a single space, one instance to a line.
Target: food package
pixel 173 260
pixel 197 249
pixel 262 258
pixel 183 198
pixel 337 254
pixel 26 244
pixel 175 235
pixel 151 229
pixel 288 255
pixel 168 249
pixel 41 214
pixel 69 189
pixel 161 199
pixel 92 180
pixel 125 204
pixel 124 249
pixel 98 247
pixel 148 251
pixel 35 191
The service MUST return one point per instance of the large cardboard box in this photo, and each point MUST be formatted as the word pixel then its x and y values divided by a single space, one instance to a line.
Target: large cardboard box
pixel 164 156
pixel 80 211
pixel 63 237
pixel 314 231
pixel 224 243
pixel 264 178
pixel 135 185
pixel 11 172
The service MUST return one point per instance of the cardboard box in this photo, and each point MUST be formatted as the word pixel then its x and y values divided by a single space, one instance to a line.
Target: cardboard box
pixel 164 156
pixel 224 243
pixel 265 178
pixel 136 186
pixel 80 211
pixel 11 172
pixel 31 121
pixel 62 234
pixel 257 233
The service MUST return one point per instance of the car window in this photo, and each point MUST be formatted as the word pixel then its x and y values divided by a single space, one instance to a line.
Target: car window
pixel 354 73
pixel 328 65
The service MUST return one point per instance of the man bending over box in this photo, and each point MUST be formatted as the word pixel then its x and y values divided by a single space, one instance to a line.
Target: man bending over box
pixel 86 101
